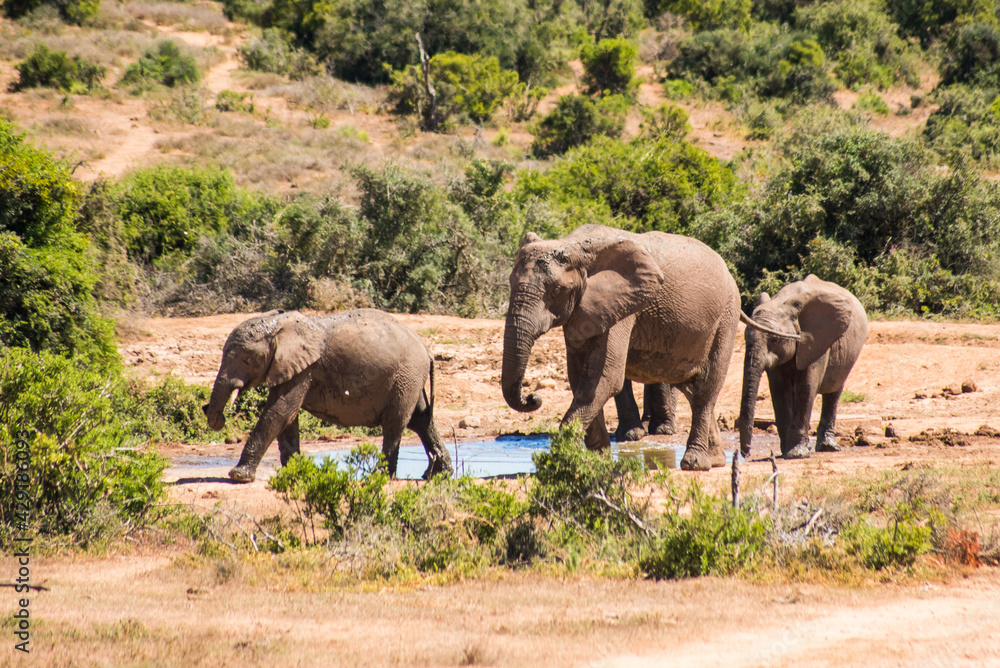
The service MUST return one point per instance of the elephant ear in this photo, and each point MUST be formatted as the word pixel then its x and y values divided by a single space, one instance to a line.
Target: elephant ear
pixel 529 238
pixel 297 343
pixel 824 318
pixel 622 278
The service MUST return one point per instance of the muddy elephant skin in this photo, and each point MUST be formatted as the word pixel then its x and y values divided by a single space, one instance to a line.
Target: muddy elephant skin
pixel 355 369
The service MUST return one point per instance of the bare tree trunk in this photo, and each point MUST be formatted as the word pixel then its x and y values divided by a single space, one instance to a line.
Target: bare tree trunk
pixel 425 65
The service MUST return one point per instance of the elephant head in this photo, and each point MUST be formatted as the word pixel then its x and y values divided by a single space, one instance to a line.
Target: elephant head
pixel 271 348
pixel 797 327
pixel 584 285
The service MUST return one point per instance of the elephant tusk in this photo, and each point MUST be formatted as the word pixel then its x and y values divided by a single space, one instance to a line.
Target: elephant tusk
pixel 749 322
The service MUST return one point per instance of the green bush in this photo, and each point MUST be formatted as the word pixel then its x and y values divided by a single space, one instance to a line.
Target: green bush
pixel 228 100
pixel 705 15
pixel 872 102
pixel 714 539
pixel 972 56
pixel 165 65
pixel 897 545
pixel 667 120
pixel 71 11
pixel 85 449
pixel 274 52
pixel 586 491
pixel 576 120
pixel 642 185
pixel 928 20
pixel 966 124
pixel 47 276
pixel 470 86
pixel 609 67
pixel 54 69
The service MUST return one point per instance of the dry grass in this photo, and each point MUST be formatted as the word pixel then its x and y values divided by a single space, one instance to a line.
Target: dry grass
pixel 193 17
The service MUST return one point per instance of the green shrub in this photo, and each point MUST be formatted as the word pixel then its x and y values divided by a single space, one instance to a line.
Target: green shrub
pixel 928 20
pixel 895 546
pixel 54 69
pixel 965 124
pixel 872 102
pixel 705 15
pixel 84 447
pixel 274 52
pixel 715 539
pixel 341 495
pixel 228 100
pixel 164 65
pixel 677 89
pixel 471 86
pixel 586 491
pixel 667 120
pixel 71 11
pixel 645 184
pixel 972 56
pixel 609 67
pixel 175 411
pixel 166 209
pixel 575 121
pixel 47 276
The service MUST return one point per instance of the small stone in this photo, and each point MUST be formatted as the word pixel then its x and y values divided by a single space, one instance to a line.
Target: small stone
pixel 861 437
pixel 969 387
pixel 890 431
pixel 230 440
pixel 469 422
pixel 772 429
pixel 919 395
pixel 545 384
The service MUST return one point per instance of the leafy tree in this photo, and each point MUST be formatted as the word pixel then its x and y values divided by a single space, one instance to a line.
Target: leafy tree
pixel 55 69
pixel 972 55
pixel 609 67
pixel 576 120
pixel 471 86
pixel 708 15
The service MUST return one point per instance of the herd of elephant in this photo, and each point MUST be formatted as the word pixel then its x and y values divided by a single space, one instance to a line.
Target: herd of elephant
pixel 659 309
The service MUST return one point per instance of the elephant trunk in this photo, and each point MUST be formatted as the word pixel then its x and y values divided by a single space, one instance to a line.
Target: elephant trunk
pixel 215 408
pixel 518 339
pixel 753 368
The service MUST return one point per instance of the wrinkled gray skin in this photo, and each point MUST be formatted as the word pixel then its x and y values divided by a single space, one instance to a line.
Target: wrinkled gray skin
pixel 659 408
pixel 832 325
pixel 653 308
pixel 355 369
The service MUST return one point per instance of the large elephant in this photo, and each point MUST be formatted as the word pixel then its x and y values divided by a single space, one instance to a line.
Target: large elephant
pixel 659 411
pixel 356 369
pixel 650 307
pixel 831 325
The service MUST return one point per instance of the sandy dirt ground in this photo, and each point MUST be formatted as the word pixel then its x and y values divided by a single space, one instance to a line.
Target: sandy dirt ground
pixel 909 375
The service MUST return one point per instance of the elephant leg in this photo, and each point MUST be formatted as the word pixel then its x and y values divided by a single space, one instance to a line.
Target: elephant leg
pixel 629 423
pixel 282 407
pixel 704 444
pixel 826 436
pixel 803 395
pixel 659 409
pixel 782 385
pixel 422 423
pixel 288 441
pixel 597 373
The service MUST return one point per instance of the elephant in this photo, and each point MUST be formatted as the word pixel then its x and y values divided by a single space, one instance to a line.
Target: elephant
pixel 359 368
pixel 659 409
pixel 831 325
pixel 651 307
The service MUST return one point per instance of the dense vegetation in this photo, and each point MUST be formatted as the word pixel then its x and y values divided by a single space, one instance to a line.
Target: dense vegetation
pixel 910 224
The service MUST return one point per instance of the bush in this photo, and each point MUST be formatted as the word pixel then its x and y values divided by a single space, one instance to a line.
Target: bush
pixel 46 275
pixel 469 86
pixel 972 56
pixel 667 120
pixel 966 124
pixel 84 447
pixel 228 100
pixel 705 15
pixel 54 69
pixel 609 67
pixel 586 491
pixel 641 185
pixel 164 65
pixel 872 102
pixel 715 539
pixel 896 545
pixel 71 11
pixel 575 121
pixel 274 52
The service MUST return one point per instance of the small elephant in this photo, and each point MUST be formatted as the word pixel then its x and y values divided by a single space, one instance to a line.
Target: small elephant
pixel 821 328
pixel 356 369
pixel 653 308
pixel 659 408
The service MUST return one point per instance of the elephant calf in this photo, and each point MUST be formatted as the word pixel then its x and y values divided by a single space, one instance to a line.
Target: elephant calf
pixel 829 325
pixel 356 369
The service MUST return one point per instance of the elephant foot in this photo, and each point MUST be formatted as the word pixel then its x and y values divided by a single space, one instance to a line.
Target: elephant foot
pixel 829 445
pixel 633 434
pixel 242 474
pixel 662 428
pixel 800 451
pixel 437 468
pixel 698 460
